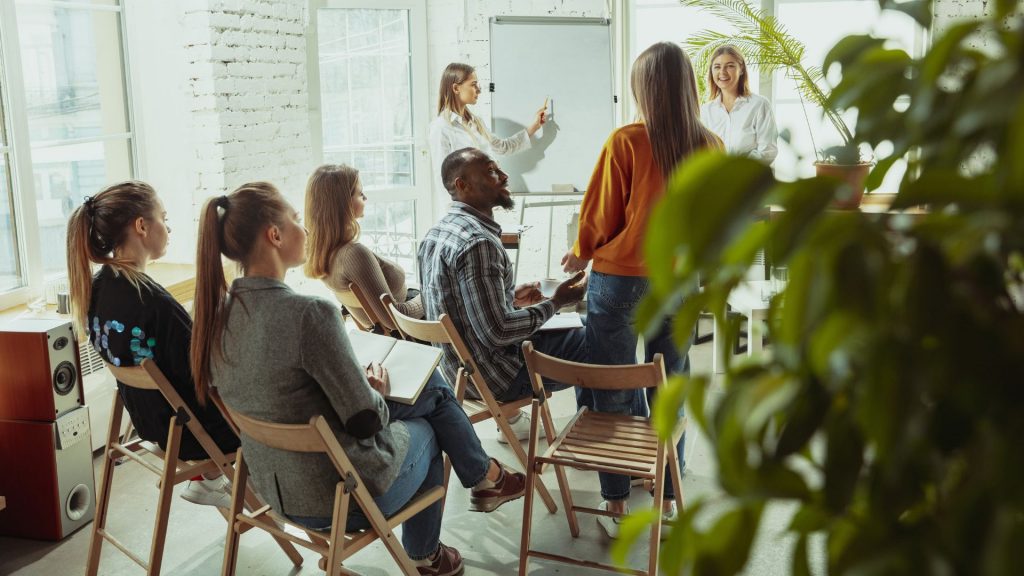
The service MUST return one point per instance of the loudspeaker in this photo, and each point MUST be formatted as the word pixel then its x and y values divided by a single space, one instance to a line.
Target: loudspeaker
pixel 40 377
pixel 46 472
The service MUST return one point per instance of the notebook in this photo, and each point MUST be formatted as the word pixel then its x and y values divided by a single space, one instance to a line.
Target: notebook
pixel 563 321
pixel 409 364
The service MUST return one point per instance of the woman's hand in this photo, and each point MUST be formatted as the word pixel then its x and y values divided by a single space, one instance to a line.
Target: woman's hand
pixel 377 376
pixel 571 263
pixel 539 119
pixel 528 294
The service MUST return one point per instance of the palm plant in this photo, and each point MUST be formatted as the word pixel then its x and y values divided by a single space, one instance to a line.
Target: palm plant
pixel 766 44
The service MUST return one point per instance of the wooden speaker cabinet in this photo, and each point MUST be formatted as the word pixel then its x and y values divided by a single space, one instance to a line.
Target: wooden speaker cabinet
pixel 46 472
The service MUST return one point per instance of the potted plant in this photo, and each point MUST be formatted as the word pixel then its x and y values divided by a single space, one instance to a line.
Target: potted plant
pixel 888 415
pixel 766 44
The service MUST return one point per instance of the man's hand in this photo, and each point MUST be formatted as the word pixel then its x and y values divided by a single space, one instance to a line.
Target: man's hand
pixel 571 263
pixel 527 294
pixel 571 291
pixel 377 376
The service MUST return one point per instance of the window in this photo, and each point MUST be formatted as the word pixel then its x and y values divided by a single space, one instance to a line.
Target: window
pixel 371 71
pixel 65 83
pixel 658 20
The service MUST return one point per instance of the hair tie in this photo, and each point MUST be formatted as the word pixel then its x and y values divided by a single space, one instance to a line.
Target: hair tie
pixel 222 201
pixel 89 206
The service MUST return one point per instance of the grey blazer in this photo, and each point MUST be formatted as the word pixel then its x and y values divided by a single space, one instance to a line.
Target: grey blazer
pixel 287 358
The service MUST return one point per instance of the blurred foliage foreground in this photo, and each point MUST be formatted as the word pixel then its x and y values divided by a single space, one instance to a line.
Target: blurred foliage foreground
pixel 890 410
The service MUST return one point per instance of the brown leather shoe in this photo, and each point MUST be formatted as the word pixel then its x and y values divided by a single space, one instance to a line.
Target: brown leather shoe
pixel 448 563
pixel 510 486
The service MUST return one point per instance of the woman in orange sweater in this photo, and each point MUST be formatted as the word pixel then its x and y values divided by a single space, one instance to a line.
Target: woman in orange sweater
pixel 628 180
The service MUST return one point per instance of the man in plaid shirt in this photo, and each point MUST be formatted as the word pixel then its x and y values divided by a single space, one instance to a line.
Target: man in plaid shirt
pixel 465 273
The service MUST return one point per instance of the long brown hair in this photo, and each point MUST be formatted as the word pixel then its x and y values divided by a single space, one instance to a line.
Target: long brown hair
pixel 330 221
pixel 454 73
pixel 96 230
pixel 228 225
pixel 744 83
pixel 665 90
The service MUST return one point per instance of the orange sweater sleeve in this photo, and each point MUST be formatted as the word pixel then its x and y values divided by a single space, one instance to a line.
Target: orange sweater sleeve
pixel 603 210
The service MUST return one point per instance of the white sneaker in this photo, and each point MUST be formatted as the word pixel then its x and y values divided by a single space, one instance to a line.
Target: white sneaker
pixel 520 427
pixel 610 524
pixel 216 492
pixel 668 520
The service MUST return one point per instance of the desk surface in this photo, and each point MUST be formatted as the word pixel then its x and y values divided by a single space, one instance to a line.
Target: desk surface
pixel 178 279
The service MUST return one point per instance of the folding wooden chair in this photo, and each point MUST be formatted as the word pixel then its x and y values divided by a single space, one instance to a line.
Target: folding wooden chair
pixel 169 468
pixel 616 443
pixel 442 331
pixel 355 299
pixel 334 548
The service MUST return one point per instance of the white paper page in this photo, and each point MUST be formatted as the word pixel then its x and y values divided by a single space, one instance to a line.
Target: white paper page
pixel 370 347
pixel 563 321
pixel 409 366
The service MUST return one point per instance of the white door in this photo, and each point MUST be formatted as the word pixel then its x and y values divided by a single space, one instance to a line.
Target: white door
pixel 371 75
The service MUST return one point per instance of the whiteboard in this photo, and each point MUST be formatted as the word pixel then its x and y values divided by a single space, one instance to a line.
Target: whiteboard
pixel 570 61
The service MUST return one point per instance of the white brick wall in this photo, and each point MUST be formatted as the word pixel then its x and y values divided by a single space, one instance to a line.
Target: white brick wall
pixel 249 100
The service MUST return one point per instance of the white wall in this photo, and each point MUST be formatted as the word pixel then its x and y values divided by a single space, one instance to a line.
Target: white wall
pixel 221 93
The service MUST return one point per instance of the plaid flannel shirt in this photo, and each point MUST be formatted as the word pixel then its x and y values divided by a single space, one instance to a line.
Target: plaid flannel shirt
pixel 464 272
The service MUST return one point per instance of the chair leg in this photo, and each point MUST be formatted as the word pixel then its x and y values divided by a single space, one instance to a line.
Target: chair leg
pixel 675 475
pixel 253 502
pixel 659 501
pixel 447 475
pixel 99 523
pixel 239 492
pixel 513 442
pixel 163 510
pixel 531 476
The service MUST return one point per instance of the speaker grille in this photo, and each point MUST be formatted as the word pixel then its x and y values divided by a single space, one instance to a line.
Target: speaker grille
pixel 91 359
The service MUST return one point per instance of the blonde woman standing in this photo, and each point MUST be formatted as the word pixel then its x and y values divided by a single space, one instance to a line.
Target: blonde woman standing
pixel 456 127
pixel 628 180
pixel 742 119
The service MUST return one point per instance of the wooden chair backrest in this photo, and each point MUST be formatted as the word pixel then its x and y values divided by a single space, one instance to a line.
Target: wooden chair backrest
pixel 353 299
pixel 431 331
pixel 315 436
pixel 622 377
pixel 147 376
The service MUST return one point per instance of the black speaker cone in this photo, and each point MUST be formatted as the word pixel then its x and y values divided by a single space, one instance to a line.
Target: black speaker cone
pixel 64 378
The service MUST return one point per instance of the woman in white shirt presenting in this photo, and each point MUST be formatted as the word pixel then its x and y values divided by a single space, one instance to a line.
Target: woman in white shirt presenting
pixel 742 119
pixel 457 127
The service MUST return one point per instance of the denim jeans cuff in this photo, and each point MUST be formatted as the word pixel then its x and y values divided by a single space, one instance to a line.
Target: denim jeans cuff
pixel 613 498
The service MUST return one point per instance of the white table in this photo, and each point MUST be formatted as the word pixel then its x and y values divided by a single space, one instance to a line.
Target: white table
pixel 751 299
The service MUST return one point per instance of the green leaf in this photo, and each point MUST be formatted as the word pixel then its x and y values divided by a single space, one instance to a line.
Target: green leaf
pixel 726 547
pixel 668 402
pixel 919 10
pixel 843 461
pixel 850 49
pixel 633 526
pixel 800 567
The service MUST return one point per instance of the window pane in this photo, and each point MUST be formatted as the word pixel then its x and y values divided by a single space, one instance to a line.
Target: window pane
pixel 10 264
pixel 73 73
pixel 389 229
pixel 366 93
pixel 667 21
pixel 64 176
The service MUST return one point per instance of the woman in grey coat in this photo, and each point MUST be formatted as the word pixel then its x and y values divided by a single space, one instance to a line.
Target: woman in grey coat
pixel 284 357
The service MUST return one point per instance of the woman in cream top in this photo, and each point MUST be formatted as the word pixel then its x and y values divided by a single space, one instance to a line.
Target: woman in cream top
pixel 743 120
pixel 456 127
pixel 334 203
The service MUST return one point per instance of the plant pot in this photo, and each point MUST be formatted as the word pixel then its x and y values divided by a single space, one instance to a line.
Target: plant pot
pixel 853 174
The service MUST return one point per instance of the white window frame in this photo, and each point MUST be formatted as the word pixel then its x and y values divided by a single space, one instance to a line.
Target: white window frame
pixel 420 192
pixel 20 146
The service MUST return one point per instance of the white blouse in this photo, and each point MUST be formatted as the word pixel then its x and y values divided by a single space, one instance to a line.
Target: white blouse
pixel 450 132
pixel 749 130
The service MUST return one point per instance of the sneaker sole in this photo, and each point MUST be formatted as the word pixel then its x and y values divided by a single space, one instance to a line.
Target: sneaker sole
pixel 490 504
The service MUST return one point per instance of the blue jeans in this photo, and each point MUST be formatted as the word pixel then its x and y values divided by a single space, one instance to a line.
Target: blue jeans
pixel 612 339
pixel 451 427
pixel 421 470
pixel 564 344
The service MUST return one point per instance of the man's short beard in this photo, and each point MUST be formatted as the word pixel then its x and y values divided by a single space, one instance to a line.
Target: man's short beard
pixel 506 202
